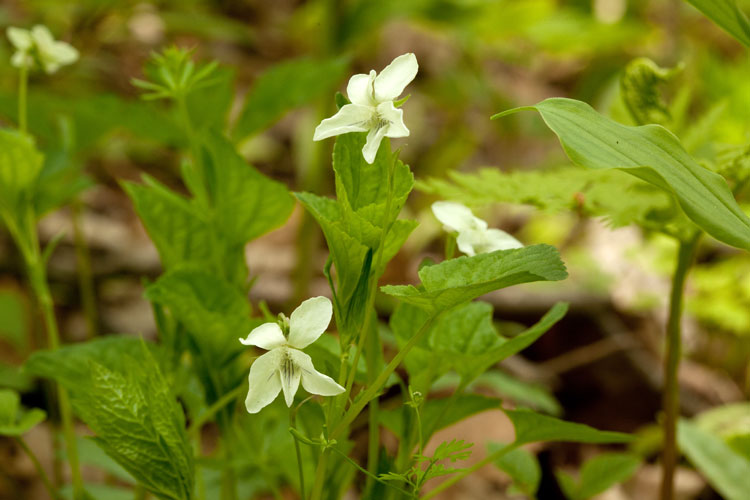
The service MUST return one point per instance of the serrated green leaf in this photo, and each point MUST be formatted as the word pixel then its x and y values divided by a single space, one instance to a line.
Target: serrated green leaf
pixel 727 14
pixel 68 365
pixel 521 465
pixel 284 87
pixel 178 231
pixel 598 475
pixel 725 470
pixel 652 154
pixel 531 427
pixel 208 106
pixel 13 420
pixel 463 279
pixel 214 312
pixel 246 204
pixel 138 422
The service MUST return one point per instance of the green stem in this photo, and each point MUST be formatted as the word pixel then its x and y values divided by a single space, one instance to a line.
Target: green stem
pixel 40 470
pixel 212 410
pixel 23 82
pixel 300 471
pixel 85 275
pixel 369 474
pixel 39 283
pixel 670 397
pixel 373 389
pixel 320 475
pixel 465 472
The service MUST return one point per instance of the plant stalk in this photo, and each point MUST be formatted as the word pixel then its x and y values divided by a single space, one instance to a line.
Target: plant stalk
pixel 39 469
pixel 670 397
pixel 23 83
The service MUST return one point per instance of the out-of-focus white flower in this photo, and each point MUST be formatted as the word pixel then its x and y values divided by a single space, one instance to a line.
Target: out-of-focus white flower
pixel 37 45
pixel 372 109
pixel 285 365
pixel 473 235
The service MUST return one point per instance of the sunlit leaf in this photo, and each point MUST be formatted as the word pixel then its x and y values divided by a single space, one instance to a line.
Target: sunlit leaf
pixel 727 14
pixel 650 153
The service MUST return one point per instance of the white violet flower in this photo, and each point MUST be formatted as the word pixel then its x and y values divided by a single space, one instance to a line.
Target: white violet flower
pixel 285 365
pixel 38 45
pixel 372 109
pixel 473 235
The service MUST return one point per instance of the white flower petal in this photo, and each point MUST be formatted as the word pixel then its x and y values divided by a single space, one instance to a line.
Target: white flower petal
pixel 308 322
pixel 359 90
pixel 500 240
pixel 64 53
pixel 21 59
pixel 374 137
pixel 313 381
pixel 20 38
pixel 266 336
pixel 466 241
pixel 42 36
pixel 350 118
pixel 456 216
pixel 394 78
pixel 264 381
pixel 395 118
pixel 290 375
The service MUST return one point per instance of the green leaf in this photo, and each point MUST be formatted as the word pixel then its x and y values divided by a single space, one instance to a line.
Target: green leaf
pixel 640 93
pixel 598 475
pixel 731 422
pixel 463 279
pixel 653 154
pixel 175 226
pixel 246 204
pixel 725 470
pixel 20 164
pixel 521 465
pixel 69 365
pixel 214 312
pixel 284 87
pixel 532 427
pixel 524 394
pixel 14 325
pixel 438 414
pixel 14 421
pixel 138 422
pixel 208 105
pixel 727 14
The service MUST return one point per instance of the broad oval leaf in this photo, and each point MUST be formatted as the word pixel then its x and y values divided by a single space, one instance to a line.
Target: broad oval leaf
pixel 653 154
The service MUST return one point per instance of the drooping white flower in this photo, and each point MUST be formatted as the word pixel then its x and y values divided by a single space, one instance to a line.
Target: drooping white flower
pixel 372 109
pixel 285 365
pixel 473 235
pixel 39 46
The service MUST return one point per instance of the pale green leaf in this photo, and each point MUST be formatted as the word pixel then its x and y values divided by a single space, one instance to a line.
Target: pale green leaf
pixel 725 470
pixel 521 465
pixel 653 154
pixel 731 422
pixel 727 14
pixel 598 475
pixel 13 420
pixel 138 422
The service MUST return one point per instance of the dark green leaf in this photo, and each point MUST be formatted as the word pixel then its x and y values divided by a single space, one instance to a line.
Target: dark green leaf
pixel 460 280
pixel 284 87
pixel 531 427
